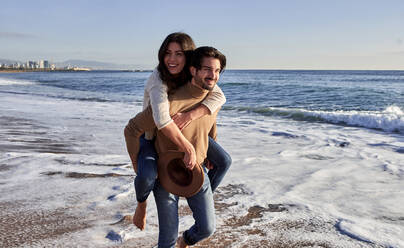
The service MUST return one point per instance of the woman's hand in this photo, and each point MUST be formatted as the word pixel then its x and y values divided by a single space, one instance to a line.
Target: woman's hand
pixel 182 119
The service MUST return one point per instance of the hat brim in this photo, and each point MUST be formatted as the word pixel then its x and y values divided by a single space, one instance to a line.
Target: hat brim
pixel 176 178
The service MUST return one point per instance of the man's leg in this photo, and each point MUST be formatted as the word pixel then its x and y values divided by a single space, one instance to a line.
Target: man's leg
pixel 167 209
pixel 203 211
pixel 145 179
pixel 221 161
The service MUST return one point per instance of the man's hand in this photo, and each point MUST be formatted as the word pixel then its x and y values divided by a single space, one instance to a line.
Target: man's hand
pixel 182 119
pixel 209 165
pixel 190 158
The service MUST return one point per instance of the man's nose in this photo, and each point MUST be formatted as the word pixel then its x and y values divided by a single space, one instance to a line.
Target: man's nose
pixel 211 74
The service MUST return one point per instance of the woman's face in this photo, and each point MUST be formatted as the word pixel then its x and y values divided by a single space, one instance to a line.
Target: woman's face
pixel 174 59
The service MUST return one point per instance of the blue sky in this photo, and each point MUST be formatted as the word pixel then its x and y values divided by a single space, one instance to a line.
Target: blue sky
pixel 303 34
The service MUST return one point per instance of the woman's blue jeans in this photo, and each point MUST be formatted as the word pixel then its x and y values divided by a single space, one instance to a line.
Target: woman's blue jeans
pixel 147 167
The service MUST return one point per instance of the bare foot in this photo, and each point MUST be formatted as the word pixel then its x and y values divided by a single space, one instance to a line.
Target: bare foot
pixel 181 243
pixel 139 218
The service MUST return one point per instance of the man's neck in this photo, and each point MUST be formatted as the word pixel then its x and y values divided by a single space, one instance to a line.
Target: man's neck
pixel 195 84
pixel 195 90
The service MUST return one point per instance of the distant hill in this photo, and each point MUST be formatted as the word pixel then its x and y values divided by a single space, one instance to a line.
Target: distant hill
pixel 8 61
pixel 93 64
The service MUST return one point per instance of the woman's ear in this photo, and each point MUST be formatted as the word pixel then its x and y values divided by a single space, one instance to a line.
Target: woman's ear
pixel 192 70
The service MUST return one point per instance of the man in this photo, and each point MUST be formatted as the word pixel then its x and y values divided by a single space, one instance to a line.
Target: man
pixel 206 65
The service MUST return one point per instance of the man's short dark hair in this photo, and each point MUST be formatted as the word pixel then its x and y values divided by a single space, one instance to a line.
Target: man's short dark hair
pixel 209 52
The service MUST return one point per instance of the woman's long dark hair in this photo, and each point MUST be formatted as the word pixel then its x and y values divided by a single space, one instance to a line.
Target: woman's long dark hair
pixel 187 45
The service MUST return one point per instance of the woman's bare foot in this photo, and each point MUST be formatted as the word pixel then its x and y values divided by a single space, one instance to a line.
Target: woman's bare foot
pixel 139 218
pixel 181 243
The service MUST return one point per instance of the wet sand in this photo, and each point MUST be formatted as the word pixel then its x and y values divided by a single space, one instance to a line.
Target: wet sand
pixel 279 232
pixel 20 225
pixel 19 134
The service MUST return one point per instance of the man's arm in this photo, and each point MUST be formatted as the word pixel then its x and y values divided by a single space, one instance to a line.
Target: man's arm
pixel 213 131
pixel 141 123
pixel 213 135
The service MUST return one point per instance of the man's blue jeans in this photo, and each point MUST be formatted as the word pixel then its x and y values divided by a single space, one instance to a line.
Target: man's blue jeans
pixel 147 167
pixel 221 161
pixel 203 212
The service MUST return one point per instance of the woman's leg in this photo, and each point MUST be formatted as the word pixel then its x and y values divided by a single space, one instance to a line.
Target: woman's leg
pixel 146 169
pixel 145 179
pixel 221 161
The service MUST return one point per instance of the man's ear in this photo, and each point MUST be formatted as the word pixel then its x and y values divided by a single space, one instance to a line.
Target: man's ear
pixel 192 70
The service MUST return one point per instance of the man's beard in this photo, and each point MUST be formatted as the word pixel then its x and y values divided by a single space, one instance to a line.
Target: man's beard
pixel 203 85
pixel 207 87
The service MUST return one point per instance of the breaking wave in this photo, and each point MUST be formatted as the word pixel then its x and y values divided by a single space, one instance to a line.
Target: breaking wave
pixel 6 81
pixel 390 120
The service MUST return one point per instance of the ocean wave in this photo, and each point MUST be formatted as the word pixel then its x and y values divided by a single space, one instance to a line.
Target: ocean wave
pixel 73 98
pixel 390 120
pixel 6 81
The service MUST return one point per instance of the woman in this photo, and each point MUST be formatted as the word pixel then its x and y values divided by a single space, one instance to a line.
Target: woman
pixel 173 72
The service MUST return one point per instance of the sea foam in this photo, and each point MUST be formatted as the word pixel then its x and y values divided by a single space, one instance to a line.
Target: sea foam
pixel 6 81
pixel 390 120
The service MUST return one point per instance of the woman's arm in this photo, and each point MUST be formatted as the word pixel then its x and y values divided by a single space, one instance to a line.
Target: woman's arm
pixel 212 102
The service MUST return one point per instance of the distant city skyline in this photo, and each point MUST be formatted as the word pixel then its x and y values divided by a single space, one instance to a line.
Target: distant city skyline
pixel 295 34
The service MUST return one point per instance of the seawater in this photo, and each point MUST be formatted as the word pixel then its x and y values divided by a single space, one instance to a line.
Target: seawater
pixel 318 151
pixel 369 99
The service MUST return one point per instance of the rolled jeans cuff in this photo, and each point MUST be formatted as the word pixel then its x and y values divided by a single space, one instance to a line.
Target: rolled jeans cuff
pixel 187 239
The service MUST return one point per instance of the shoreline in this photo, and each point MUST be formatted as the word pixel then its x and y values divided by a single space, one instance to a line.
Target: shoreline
pixel 38 70
pixel 68 70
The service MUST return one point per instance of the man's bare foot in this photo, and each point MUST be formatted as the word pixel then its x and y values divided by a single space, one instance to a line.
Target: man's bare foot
pixel 181 243
pixel 139 218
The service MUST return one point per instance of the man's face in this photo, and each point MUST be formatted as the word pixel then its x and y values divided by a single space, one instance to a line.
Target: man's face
pixel 208 75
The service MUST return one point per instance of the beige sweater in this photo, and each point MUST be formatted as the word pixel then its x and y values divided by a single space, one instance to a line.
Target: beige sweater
pixel 183 99
pixel 155 94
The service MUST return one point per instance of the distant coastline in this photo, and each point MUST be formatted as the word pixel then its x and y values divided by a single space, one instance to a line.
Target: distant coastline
pixel 14 70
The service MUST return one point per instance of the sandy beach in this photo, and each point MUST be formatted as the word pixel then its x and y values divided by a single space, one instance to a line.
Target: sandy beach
pixel 34 222
pixel 22 226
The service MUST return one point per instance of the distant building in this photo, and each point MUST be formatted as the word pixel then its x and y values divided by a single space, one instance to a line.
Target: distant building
pixel 43 64
pixel 31 65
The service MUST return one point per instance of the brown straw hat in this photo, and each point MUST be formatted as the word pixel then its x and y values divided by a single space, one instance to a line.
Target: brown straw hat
pixel 176 178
